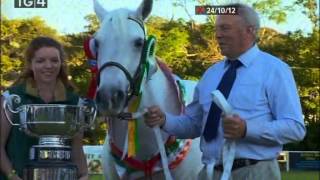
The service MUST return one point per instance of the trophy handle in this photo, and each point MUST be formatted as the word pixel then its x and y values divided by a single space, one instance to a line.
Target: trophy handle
pixel 7 106
pixel 90 109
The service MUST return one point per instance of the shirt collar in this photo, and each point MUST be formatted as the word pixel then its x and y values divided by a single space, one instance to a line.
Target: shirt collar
pixel 59 91
pixel 247 57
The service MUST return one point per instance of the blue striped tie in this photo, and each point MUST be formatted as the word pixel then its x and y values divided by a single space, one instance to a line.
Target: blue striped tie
pixel 225 85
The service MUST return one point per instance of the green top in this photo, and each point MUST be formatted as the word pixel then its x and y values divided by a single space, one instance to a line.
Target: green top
pixel 18 143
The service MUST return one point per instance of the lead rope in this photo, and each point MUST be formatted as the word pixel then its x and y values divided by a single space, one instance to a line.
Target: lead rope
pixel 164 158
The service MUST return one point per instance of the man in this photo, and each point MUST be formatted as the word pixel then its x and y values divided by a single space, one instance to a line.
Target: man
pixel 262 92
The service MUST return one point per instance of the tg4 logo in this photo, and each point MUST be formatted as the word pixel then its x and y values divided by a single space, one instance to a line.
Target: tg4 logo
pixel 30 3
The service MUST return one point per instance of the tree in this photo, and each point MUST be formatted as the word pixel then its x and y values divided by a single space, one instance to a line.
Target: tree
pixel 12 48
pixel 93 23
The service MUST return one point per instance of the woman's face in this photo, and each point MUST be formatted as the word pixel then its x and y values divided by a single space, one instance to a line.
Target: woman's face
pixel 46 65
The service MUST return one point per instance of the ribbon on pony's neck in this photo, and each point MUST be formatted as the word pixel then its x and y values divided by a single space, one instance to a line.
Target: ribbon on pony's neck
pixel 133 139
pixel 133 105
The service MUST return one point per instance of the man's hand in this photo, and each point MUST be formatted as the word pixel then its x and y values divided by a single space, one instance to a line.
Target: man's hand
pixel 234 127
pixel 154 117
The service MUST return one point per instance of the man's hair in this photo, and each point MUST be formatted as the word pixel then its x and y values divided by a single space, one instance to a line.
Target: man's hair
pixel 249 15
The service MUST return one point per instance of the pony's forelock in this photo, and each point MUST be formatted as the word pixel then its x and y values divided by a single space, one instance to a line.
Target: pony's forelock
pixel 118 20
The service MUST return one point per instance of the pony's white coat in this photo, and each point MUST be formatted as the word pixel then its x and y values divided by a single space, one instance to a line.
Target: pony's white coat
pixel 118 41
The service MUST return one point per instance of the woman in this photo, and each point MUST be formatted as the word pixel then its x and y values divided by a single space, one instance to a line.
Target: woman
pixel 43 81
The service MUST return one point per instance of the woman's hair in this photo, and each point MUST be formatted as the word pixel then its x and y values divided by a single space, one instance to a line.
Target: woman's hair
pixel 35 45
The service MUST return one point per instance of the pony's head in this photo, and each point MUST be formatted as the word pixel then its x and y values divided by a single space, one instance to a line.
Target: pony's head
pixel 121 44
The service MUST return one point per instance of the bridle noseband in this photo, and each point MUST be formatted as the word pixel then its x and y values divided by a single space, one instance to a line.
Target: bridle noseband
pixel 123 69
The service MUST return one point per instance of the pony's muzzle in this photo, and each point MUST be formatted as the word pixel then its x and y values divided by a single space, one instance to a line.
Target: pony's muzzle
pixel 110 101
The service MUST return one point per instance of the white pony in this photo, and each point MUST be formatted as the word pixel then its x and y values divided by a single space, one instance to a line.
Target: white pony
pixel 127 67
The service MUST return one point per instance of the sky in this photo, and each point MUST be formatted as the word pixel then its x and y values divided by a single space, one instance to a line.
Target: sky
pixel 67 16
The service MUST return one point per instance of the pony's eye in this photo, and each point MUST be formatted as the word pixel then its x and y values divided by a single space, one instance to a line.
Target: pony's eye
pixel 138 43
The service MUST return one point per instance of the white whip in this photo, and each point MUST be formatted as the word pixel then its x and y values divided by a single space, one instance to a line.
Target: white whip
pixel 229 146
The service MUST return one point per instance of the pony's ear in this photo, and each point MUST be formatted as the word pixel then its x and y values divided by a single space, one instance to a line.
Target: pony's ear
pixel 144 9
pixel 99 10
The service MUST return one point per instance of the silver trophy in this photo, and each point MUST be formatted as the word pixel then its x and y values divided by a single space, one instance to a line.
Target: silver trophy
pixel 55 125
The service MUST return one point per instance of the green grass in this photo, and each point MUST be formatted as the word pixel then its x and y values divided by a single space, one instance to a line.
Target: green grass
pixel 291 175
pixel 96 177
pixel 300 175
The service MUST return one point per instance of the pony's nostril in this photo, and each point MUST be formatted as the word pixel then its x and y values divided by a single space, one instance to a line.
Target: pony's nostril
pixel 120 95
pixel 117 97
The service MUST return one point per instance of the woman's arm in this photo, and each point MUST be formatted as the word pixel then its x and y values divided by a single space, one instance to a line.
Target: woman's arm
pixel 5 164
pixel 78 156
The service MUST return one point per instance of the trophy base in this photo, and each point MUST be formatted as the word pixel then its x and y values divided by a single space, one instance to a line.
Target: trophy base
pixel 50 171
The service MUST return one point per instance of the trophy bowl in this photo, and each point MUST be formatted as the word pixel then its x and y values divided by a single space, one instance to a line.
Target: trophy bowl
pixel 55 119
pixel 52 119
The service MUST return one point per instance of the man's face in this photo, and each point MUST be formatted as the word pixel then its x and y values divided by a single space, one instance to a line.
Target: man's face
pixel 233 35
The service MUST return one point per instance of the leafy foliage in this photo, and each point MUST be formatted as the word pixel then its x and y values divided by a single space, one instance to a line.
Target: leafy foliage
pixel 12 48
